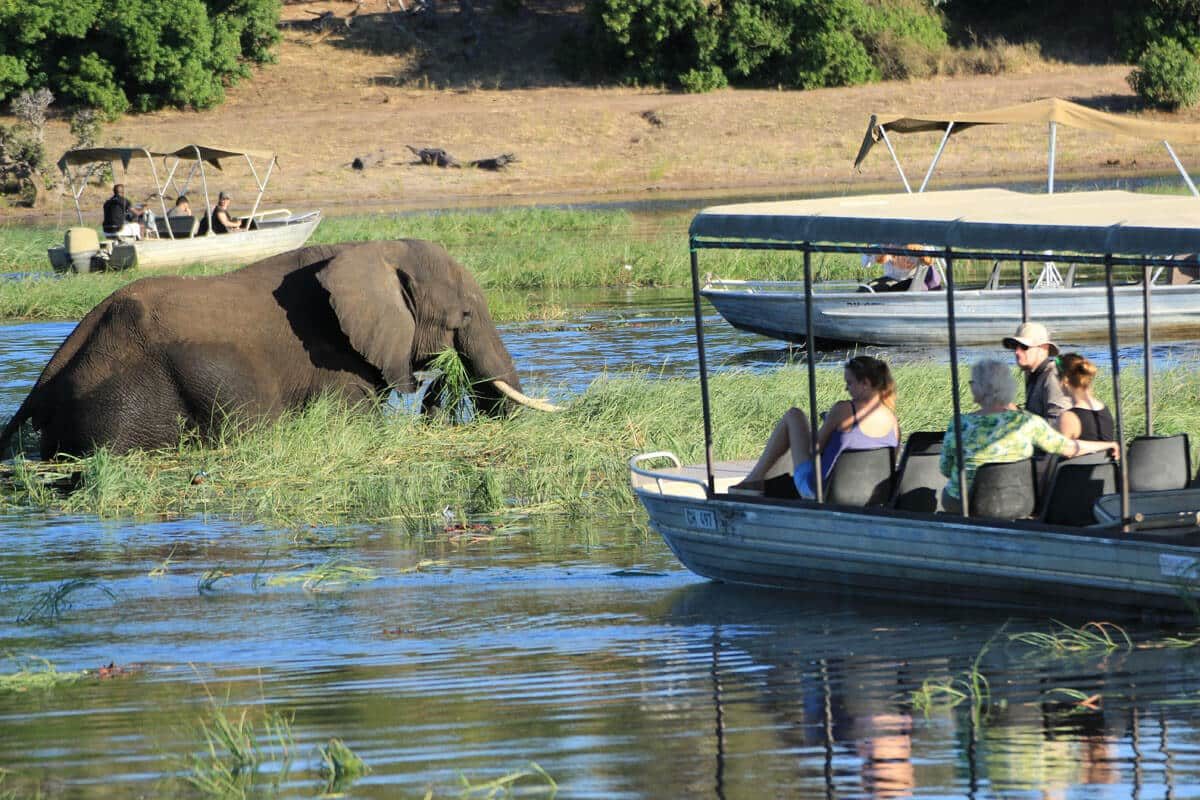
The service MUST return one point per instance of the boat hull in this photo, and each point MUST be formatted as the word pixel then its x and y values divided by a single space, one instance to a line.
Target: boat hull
pixel 921 558
pixel 234 249
pixel 981 316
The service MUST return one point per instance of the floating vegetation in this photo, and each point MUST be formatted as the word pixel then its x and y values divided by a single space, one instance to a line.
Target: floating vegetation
pixel 1077 701
pixel 505 786
pixel 232 757
pixel 162 568
pixel 971 686
pixel 424 564
pixel 1092 637
pixel 35 674
pixel 340 766
pixel 332 575
pixel 209 578
pixel 57 600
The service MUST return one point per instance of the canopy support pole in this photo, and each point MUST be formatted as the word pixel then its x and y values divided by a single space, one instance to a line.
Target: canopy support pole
pixel 936 157
pixel 1116 381
pixel 262 185
pixel 954 384
pixel 1050 167
pixel 1024 290
pixel 703 364
pixel 809 346
pixel 896 161
pixel 1179 166
pixel 1147 367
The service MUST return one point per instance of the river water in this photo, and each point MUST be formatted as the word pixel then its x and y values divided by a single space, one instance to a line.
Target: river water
pixel 584 649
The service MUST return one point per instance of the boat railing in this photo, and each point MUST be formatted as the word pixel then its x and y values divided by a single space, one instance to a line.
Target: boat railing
pixel 778 286
pixel 643 478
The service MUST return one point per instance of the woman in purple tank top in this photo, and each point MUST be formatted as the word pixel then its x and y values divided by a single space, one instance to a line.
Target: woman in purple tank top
pixel 865 421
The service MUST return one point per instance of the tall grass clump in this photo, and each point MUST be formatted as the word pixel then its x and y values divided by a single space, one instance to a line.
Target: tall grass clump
pixel 340 766
pixel 331 463
pixel 55 601
pixel 35 674
pixel 236 744
pixel 23 247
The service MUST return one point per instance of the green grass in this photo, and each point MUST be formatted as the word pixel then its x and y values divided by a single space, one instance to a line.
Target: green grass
pixel 236 745
pixel 331 575
pixel 329 465
pixel 35 674
pixel 57 600
pixel 1092 637
pixel 340 766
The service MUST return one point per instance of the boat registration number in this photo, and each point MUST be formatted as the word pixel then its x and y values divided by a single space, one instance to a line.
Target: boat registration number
pixel 700 518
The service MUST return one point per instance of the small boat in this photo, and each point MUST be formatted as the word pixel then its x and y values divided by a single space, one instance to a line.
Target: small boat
pixel 177 241
pixel 869 535
pixel 849 311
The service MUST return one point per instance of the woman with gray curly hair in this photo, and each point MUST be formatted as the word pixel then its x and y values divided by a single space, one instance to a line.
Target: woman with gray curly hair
pixel 998 433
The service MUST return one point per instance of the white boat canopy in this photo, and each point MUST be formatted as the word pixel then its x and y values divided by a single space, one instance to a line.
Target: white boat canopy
pixel 1051 111
pixel 1096 223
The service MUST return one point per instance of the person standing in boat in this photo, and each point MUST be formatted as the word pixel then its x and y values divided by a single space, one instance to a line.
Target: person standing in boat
pixel 221 221
pixel 1087 418
pixel 866 421
pixel 1034 354
pixel 999 433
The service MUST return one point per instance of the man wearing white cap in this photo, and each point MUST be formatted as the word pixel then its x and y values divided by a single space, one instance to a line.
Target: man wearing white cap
pixel 1034 352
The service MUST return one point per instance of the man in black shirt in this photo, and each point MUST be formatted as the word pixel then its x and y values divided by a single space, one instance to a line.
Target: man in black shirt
pixel 117 211
pixel 1034 353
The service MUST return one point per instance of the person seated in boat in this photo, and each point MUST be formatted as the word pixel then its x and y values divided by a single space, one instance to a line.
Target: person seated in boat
pixel 182 207
pixel 899 271
pixel 999 433
pixel 221 221
pixel 119 219
pixel 866 421
pixel 1087 418
pixel 1034 352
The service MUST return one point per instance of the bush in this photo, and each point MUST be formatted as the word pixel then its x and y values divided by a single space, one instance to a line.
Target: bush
pixel 1167 75
pixel 699 81
pixel 114 55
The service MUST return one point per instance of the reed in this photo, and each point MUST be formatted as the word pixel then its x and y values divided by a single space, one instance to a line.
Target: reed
pixel 340 766
pixel 229 764
pixel 1092 637
pixel 328 576
pixel 506 785
pixel 51 604
pixel 330 464
pixel 35 674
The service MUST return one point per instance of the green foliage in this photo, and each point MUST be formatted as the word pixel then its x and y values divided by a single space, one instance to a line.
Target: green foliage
pixel 797 43
pixel 116 55
pixel 1167 75
pixel 1150 21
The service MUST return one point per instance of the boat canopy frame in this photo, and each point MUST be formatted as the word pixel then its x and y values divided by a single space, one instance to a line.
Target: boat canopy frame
pixel 829 226
pixel 78 166
pixel 1051 111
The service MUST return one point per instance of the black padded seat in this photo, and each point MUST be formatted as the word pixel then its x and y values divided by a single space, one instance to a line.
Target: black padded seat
pixel 862 477
pixel 1075 487
pixel 924 442
pixel 1159 463
pixel 919 482
pixel 1005 491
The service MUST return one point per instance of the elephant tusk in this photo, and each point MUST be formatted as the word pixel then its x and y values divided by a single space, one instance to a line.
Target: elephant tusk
pixel 522 398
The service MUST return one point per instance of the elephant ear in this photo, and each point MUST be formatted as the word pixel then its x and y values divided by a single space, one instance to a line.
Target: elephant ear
pixel 373 311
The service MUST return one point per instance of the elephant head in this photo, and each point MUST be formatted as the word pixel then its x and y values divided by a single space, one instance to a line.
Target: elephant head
pixel 401 303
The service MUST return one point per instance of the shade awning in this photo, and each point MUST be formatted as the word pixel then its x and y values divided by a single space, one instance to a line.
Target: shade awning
pixel 1051 109
pixel 213 155
pixel 1090 223
pixel 99 155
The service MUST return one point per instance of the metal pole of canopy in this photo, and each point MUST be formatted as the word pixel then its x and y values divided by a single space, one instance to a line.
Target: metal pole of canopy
pixel 1024 290
pixel 936 157
pixel 1050 171
pixel 883 135
pixel 1116 379
pixel 704 404
pixel 1179 166
pixel 1147 367
pixel 812 374
pixel 954 384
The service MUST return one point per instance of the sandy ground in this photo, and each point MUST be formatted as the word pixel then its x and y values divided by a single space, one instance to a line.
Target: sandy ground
pixel 332 98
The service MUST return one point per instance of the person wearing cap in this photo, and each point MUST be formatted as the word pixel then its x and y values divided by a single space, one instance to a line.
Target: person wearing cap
pixel 1034 353
pixel 221 221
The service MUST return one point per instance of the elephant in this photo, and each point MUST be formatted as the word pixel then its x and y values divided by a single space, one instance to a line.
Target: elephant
pixel 354 319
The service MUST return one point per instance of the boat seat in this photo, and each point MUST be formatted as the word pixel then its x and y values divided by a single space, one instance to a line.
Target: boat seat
pixel 1159 463
pixel 1005 491
pixel 919 482
pixel 179 227
pixel 1074 489
pixel 924 442
pixel 862 477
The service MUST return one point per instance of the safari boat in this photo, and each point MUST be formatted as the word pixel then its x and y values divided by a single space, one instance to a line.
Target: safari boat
pixel 177 241
pixel 875 528
pixel 848 311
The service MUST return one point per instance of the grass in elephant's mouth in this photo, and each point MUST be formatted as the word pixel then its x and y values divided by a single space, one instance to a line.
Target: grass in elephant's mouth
pixel 329 464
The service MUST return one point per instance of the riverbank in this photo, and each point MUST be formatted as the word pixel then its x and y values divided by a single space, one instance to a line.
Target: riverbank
pixel 329 466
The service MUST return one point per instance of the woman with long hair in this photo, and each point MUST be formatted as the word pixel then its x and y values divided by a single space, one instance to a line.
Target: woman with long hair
pixel 1087 418
pixel 867 420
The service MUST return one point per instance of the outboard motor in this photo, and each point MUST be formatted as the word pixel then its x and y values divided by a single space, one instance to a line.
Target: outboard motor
pixel 82 246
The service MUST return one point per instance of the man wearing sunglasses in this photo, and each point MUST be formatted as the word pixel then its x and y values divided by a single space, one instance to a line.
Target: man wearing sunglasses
pixel 1034 353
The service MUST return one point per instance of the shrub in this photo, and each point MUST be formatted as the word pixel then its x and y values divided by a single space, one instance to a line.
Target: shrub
pixel 699 81
pixel 1167 75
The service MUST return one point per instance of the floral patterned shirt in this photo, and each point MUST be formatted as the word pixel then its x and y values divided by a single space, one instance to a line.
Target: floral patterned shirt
pixel 997 439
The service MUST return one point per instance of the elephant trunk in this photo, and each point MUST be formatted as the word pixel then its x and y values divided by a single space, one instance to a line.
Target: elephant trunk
pixel 521 398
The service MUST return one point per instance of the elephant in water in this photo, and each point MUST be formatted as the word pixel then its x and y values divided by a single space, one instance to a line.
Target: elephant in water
pixel 353 319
